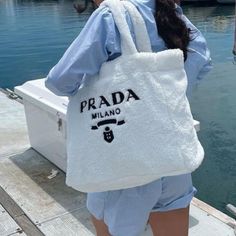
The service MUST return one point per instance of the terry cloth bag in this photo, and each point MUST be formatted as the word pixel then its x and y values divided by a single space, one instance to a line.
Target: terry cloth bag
pixel 131 124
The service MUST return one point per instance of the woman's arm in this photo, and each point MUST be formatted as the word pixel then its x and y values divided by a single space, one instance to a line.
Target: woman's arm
pixel 84 56
pixel 198 63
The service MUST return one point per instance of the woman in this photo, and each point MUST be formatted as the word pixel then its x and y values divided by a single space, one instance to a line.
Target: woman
pixel 163 203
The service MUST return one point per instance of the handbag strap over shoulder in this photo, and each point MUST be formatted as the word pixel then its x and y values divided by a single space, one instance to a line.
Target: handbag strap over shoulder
pixel 141 35
pixel 127 45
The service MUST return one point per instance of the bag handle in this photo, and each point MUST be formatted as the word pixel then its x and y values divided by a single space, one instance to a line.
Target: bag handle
pixel 140 29
pixel 118 12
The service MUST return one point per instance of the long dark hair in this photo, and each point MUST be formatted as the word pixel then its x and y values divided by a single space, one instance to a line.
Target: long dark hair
pixel 171 28
pixel 81 8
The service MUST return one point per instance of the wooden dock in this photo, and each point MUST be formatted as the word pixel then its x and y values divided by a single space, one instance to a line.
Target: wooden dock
pixel 34 199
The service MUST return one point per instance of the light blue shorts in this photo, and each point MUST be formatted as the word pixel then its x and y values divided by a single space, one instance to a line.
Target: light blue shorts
pixel 126 212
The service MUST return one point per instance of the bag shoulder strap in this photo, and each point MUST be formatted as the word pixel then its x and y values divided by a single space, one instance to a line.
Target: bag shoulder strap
pixel 140 30
pixel 118 8
pixel 118 12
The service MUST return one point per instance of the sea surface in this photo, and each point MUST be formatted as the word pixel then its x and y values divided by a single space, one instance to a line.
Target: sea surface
pixel 35 34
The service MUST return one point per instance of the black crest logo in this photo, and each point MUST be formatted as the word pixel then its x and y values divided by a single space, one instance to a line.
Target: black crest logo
pixel 108 134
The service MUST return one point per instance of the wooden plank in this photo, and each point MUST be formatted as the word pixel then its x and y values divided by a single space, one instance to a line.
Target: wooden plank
pixel 76 223
pixel 18 215
pixel 18 234
pixel 9 204
pixel 214 212
pixel 25 177
pixel 28 227
pixel 203 223
pixel 13 135
pixel 7 224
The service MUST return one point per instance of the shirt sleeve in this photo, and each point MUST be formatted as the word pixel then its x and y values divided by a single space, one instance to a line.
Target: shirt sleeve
pixel 84 56
pixel 198 63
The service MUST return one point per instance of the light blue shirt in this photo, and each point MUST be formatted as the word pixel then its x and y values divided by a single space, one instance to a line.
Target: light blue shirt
pixel 99 41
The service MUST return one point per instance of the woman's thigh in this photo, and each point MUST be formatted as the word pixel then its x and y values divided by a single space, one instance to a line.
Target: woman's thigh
pixel 175 222
pixel 170 215
pixel 100 227
pixel 169 223
pixel 125 212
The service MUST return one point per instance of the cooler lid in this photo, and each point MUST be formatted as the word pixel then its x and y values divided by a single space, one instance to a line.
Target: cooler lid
pixel 35 92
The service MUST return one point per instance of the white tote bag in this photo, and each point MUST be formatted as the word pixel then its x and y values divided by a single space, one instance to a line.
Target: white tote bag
pixel 131 124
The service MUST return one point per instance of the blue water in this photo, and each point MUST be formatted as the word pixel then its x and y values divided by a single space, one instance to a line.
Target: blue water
pixel 214 105
pixel 34 35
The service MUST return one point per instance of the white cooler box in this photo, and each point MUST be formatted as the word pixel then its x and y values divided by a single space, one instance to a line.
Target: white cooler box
pixel 46 120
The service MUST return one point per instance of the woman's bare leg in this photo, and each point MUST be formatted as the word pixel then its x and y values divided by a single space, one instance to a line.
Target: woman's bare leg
pixel 100 226
pixel 175 222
